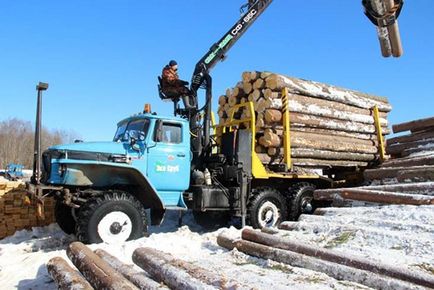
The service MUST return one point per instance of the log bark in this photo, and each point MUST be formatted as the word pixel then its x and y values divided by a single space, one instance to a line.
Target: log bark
pixel 339 272
pixel 411 137
pixel 415 125
pixel 409 188
pixel 140 279
pixel 410 161
pixel 307 162
pixel 247 87
pixel 66 277
pixel 393 172
pixel 416 175
pixel 161 270
pixel 331 155
pixel 328 92
pixel 99 274
pixel 372 195
pixel 204 275
pixel 396 149
pixel 336 257
pixel 424 150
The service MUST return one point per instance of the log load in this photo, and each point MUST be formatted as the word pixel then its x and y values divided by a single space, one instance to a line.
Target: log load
pixel 329 126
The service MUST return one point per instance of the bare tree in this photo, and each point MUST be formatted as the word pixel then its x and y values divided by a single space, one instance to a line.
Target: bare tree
pixel 17 141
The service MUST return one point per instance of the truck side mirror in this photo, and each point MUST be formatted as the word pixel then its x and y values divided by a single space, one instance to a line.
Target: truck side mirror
pixel 159 131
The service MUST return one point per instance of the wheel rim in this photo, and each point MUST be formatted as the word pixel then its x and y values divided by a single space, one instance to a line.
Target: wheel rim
pixel 115 227
pixel 268 215
pixel 306 205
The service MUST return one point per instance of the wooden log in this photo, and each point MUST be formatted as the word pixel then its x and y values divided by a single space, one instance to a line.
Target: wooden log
pixel 176 274
pixel 328 92
pixel 254 75
pixel 247 87
pixel 337 271
pixel 340 258
pixel 222 100
pixel 409 161
pixel 416 175
pixel 99 274
pixel 392 172
pixel 66 277
pixel 372 195
pixel 256 95
pixel 260 123
pixel 270 94
pixel 228 92
pixel 265 74
pixel 245 76
pixel 371 137
pixel 259 84
pixel 238 92
pixel 411 137
pixel 233 100
pixel 421 151
pixel 410 188
pixel 140 279
pixel 272 116
pixel 331 155
pixel 416 125
pixel 273 151
pixel 396 149
pixel 309 162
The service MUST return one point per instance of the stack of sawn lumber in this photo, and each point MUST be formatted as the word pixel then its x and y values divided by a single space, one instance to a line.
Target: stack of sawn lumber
pixel 18 212
pixel 101 270
pixel 406 178
pixel 330 126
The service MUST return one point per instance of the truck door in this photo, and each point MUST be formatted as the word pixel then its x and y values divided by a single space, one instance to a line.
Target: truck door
pixel 169 161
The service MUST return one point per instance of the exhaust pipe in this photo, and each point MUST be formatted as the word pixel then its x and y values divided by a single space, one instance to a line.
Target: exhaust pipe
pixel 36 177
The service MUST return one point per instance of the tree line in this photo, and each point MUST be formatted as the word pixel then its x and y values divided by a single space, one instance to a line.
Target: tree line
pixel 17 141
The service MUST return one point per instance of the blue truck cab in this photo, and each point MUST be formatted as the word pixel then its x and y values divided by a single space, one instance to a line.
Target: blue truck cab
pixel 145 166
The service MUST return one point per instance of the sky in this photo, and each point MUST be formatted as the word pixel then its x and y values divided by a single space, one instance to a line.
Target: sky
pixel 101 58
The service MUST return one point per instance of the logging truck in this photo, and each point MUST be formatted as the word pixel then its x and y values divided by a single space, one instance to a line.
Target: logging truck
pixel 180 162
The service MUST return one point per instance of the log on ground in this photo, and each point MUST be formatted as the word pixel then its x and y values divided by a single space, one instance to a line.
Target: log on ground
pixel 410 188
pixel 161 270
pixel 374 196
pixel 336 257
pixel 393 172
pixel 140 279
pixel 66 277
pixel 396 149
pixel 95 270
pixel 409 161
pixel 339 272
pixel 415 125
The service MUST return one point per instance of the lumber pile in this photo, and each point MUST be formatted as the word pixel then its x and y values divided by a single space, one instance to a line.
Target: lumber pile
pixel 18 212
pixel 283 249
pixel 330 127
pixel 100 270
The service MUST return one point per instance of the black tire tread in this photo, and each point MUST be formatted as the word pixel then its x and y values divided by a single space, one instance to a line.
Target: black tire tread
pixel 295 191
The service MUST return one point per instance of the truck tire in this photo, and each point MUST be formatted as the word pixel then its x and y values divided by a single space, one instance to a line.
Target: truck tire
pixel 114 217
pixel 64 217
pixel 211 219
pixel 266 208
pixel 301 200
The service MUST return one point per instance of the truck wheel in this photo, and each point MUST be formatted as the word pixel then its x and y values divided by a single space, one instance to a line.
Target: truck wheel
pixel 114 217
pixel 301 200
pixel 266 208
pixel 211 219
pixel 64 217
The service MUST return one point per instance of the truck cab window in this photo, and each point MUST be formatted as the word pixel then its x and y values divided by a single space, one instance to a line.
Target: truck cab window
pixel 139 125
pixel 171 133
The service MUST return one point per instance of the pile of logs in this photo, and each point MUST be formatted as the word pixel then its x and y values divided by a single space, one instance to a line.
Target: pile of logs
pixel 329 126
pixel 100 270
pixel 280 248
pixel 406 178
pixel 18 212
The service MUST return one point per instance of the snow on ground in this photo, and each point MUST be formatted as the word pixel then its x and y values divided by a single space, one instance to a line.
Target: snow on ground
pixel 393 234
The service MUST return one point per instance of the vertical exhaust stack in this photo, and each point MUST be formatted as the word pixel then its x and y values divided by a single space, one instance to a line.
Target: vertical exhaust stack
pixel 36 177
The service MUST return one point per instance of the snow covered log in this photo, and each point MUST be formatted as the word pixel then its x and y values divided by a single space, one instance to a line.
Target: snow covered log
pixel 336 257
pixel 402 174
pixel 414 126
pixel 66 277
pixel 160 268
pixel 409 161
pixel 411 137
pixel 410 188
pixel 337 271
pixel 397 149
pixel 204 275
pixel 140 279
pixel 372 195
pixel 99 273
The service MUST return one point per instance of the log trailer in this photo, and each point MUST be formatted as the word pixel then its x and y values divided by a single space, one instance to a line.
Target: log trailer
pixel 158 163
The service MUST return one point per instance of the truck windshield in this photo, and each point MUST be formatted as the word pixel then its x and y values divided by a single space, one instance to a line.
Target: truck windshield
pixel 141 126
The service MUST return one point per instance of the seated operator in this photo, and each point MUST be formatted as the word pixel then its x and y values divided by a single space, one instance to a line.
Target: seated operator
pixel 175 88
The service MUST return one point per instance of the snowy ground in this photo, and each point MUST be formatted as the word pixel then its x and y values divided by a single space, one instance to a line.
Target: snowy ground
pixel 394 234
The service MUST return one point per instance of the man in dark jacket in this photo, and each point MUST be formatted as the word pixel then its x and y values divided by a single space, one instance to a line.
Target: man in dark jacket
pixel 173 87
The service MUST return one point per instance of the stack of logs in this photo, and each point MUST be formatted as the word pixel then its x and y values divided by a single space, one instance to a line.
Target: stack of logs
pixel 17 211
pixel 406 178
pixel 330 126
pixel 100 270
pixel 269 244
